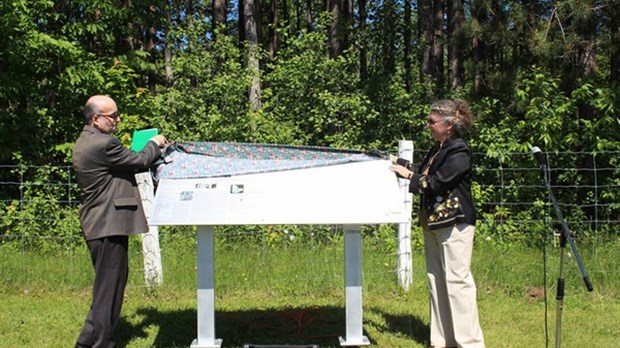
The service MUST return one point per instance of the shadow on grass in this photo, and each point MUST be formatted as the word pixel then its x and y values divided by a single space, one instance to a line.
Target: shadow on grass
pixel 403 325
pixel 295 326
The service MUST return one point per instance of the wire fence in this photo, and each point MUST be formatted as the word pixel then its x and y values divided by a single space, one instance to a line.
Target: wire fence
pixel 38 204
pixel 510 192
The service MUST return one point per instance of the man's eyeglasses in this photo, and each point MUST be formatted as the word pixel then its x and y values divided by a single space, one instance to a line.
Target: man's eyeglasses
pixel 113 115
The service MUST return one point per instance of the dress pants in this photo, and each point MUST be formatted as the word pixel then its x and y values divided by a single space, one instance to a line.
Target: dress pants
pixel 110 260
pixel 453 304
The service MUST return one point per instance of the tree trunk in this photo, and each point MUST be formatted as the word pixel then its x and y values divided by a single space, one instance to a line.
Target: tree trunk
pixel 251 33
pixel 148 45
pixel 363 49
pixel 346 11
pixel 524 28
pixel 168 51
pixel 334 32
pixel 407 45
pixel 586 55
pixel 219 16
pixel 581 59
pixel 286 18
pixel 438 40
pixel 425 37
pixel 479 17
pixel 614 54
pixel 389 36
pixel 189 20
pixel 498 25
pixel 309 16
pixel 129 40
pixel 273 32
pixel 241 21
pixel 456 43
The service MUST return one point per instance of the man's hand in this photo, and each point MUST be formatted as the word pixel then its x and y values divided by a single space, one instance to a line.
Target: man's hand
pixel 160 140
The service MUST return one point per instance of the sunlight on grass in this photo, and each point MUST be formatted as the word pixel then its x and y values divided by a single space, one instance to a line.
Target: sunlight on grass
pixel 295 295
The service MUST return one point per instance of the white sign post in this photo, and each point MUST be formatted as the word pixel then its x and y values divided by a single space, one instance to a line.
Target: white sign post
pixel 153 274
pixel 405 263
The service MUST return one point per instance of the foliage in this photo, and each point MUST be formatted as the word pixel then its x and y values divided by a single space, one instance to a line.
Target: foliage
pixel 542 115
pixel 208 100
pixel 539 75
pixel 315 97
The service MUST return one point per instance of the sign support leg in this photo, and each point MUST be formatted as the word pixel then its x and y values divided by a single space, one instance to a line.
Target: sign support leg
pixel 353 287
pixel 206 291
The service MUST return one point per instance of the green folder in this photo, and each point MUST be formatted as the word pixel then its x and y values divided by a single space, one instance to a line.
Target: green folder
pixel 141 137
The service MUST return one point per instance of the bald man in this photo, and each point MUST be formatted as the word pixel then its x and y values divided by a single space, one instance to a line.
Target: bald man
pixel 110 211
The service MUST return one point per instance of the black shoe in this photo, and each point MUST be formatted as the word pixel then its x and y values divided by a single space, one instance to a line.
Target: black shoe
pixel 79 345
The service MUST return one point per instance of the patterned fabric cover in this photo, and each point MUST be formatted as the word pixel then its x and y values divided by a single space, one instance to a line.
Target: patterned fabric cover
pixel 185 160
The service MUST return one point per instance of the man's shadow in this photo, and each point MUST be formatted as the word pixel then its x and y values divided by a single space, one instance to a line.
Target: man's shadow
pixel 320 326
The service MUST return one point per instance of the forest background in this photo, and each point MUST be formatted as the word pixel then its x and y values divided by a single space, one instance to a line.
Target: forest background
pixel 345 74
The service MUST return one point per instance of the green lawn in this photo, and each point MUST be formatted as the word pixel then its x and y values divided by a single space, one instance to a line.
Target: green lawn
pixel 295 295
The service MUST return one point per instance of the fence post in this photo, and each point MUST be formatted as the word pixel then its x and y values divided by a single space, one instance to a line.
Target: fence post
pixel 153 274
pixel 405 263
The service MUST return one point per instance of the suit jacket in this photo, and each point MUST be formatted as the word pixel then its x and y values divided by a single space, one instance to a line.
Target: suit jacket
pixel 450 169
pixel 110 202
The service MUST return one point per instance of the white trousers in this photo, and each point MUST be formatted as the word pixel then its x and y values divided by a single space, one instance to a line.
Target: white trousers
pixel 453 304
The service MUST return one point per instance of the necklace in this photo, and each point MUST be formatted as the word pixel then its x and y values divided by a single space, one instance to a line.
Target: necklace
pixel 430 161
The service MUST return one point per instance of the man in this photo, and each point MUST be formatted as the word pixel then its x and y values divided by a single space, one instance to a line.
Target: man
pixel 110 211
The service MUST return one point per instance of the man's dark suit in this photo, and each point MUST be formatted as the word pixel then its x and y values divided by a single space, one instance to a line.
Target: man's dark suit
pixel 110 211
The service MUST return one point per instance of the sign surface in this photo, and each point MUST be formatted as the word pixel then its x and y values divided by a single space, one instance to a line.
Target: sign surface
pixel 351 193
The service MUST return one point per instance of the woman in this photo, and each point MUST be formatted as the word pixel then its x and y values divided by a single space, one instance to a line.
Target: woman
pixel 448 218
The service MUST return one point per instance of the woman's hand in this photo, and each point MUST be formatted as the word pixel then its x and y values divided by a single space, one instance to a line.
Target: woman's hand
pixel 401 171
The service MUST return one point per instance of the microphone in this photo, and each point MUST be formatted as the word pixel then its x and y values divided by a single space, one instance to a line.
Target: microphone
pixel 539 156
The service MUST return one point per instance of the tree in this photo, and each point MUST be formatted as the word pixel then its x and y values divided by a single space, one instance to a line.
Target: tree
pixel 168 46
pixel 388 32
pixel 251 12
pixel 273 28
pixel 526 16
pixel 613 19
pixel 308 16
pixel 581 53
pixel 363 48
pixel 483 22
pixel 241 21
pixel 57 53
pixel 425 39
pixel 407 45
pixel 456 42
pixel 219 17
pixel 335 29
pixel 437 59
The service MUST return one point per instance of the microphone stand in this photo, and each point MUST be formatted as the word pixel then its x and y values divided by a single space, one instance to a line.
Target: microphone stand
pixel 565 236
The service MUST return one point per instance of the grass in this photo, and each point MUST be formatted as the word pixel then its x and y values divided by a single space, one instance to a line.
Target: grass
pixel 295 295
